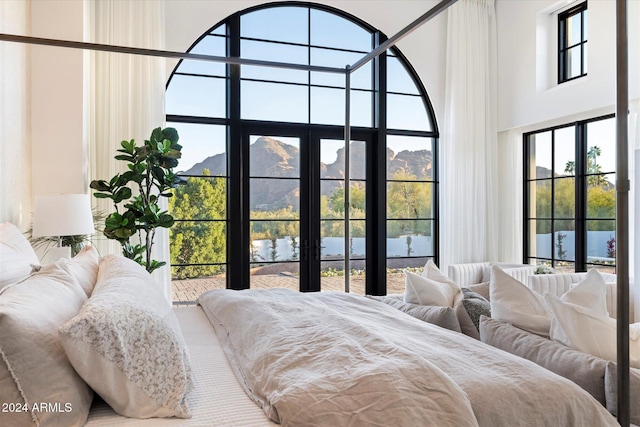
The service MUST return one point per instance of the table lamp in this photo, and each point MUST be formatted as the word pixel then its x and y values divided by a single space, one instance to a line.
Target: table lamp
pixel 61 215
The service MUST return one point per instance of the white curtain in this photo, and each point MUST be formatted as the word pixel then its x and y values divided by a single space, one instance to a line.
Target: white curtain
pixel 126 96
pixel 634 204
pixel 509 197
pixel 468 145
pixel 15 135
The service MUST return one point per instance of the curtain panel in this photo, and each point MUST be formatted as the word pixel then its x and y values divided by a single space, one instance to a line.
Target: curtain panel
pixel 469 156
pixel 634 204
pixel 126 97
pixel 15 134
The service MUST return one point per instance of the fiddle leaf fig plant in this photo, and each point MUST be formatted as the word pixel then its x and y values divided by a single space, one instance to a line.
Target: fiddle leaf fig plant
pixel 150 172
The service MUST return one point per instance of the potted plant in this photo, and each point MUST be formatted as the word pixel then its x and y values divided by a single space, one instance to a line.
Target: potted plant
pixel 150 172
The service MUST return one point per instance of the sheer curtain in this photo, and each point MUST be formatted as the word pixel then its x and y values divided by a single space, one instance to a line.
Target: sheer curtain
pixel 634 203
pixel 509 200
pixel 15 135
pixel 126 96
pixel 469 160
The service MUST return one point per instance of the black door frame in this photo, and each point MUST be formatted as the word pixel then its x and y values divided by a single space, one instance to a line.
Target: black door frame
pixel 238 252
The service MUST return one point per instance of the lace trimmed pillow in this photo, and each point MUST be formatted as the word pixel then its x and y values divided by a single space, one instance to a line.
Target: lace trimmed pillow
pixel 126 343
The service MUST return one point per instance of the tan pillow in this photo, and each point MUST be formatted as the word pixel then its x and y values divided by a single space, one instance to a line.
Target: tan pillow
pixel 34 369
pixel 127 344
pixel 583 369
pixel 611 391
pixel 16 255
pixel 466 324
pixel 444 317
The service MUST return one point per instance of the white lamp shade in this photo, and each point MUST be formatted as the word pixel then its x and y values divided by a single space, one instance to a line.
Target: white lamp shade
pixel 62 215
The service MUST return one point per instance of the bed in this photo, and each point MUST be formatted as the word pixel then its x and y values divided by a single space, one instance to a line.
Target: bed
pixel 92 341
pixel 482 385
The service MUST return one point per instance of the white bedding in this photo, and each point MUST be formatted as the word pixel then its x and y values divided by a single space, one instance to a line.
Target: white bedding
pixel 218 399
pixel 323 358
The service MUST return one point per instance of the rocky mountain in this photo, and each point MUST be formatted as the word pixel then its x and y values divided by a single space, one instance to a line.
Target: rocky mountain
pixel 271 158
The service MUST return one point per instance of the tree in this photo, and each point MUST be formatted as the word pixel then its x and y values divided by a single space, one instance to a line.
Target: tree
pixel 198 242
pixel 408 199
pixel 594 170
pixel 150 173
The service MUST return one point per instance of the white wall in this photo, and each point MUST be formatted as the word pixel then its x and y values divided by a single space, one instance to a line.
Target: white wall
pixel 528 94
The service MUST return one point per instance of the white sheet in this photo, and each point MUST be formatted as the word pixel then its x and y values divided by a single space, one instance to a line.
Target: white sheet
pixel 218 400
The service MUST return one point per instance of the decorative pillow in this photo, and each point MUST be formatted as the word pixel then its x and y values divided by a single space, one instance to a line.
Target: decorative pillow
pixel 584 369
pixel 84 267
pixel 611 391
pixel 127 344
pixel 16 255
pixel 424 291
pixel 444 317
pixel 593 332
pixel 481 288
pixel 475 305
pixel 514 302
pixel 589 293
pixel 431 288
pixel 34 369
pixel 466 323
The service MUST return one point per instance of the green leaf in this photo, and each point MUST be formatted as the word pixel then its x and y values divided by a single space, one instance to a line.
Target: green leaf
pixel 100 185
pixel 122 194
pixel 101 196
pixel 171 134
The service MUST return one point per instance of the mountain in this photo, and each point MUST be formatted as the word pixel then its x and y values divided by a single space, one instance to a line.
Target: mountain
pixel 270 158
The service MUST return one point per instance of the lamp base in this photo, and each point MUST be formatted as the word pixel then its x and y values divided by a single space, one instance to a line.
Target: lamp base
pixel 54 254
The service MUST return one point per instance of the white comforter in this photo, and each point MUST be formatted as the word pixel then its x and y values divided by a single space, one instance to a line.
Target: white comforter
pixel 339 359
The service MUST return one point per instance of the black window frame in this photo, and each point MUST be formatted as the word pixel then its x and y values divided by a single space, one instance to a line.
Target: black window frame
pixel 564 47
pixel 237 257
pixel 581 177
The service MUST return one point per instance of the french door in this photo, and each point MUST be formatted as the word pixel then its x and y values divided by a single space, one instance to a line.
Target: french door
pixel 292 206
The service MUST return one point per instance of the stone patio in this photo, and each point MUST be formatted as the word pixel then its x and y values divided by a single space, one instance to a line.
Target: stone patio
pixel 188 290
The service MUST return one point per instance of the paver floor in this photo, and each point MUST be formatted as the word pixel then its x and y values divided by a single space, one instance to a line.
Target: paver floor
pixel 190 289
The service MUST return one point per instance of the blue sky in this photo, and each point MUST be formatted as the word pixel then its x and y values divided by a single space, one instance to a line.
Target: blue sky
pixel 204 96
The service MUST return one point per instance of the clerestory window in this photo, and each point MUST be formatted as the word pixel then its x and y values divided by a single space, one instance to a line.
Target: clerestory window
pixel 572 43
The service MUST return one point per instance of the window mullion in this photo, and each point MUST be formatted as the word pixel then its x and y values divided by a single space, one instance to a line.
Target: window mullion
pixel 581 198
pixel 237 194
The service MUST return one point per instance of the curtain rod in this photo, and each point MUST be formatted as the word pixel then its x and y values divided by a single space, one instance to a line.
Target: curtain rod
pixel 165 53
pixel 434 11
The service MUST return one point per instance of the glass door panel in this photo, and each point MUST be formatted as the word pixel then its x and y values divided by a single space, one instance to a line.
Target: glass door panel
pixel 332 215
pixel 274 203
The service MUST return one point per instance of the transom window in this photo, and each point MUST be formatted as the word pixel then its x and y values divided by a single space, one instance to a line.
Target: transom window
pixel 572 43
pixel 570 197
pixel 264 158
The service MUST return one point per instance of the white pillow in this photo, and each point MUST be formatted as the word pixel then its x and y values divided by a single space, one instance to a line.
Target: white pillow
pixel 513 302
pixel 16 255
pixel 590 293
pixel 593 332
pixel 431 288
pixel 126 343
pixel 84 267
pixel 34 368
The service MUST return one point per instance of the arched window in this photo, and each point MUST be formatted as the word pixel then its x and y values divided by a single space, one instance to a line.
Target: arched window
pixel 264 157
